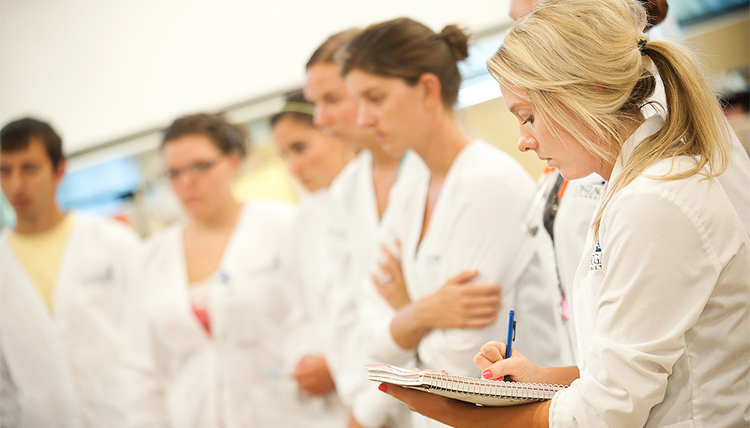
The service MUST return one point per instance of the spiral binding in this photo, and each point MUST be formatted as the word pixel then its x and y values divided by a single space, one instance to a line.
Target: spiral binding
pixel 470 386
pixel 491 388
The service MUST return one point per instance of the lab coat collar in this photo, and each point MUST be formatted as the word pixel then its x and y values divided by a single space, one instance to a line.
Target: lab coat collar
pixel 647 129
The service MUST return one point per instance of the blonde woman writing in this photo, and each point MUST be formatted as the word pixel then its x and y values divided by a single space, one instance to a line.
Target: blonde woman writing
pixel 660 298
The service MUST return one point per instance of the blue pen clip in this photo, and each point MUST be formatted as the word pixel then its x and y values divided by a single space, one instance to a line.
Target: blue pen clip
pixel 510 338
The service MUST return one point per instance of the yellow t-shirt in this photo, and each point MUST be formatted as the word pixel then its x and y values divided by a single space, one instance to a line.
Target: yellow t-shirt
pixel 40 254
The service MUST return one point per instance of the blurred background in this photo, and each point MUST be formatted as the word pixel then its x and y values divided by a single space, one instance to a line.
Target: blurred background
pixel 111 75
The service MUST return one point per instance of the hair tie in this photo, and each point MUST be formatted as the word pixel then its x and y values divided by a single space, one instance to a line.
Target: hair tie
pixel 298 107
pixel 642 46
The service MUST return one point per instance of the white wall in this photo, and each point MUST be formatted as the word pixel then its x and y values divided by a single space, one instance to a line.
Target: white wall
pixel 103 69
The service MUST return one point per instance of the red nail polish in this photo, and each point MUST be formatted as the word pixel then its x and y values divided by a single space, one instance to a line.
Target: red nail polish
pixel 383 387
pixel 487 374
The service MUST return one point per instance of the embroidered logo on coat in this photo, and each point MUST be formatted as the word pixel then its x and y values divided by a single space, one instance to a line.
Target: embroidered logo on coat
pixel 589 191
pixel 596 258
pixel 267 269
pixel 100 276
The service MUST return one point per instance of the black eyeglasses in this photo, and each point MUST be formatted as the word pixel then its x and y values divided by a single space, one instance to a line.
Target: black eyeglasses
pixel 195 170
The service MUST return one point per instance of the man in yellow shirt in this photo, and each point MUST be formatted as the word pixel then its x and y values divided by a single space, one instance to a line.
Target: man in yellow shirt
pixel 63 279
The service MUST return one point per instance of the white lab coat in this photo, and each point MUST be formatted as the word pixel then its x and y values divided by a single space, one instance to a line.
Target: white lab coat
pixel 59 370
pixel 578 206
pixel 475 224
pixel 353 225
pixel 311 277
pixel 661 307
pixel 736 181
pixel 176 376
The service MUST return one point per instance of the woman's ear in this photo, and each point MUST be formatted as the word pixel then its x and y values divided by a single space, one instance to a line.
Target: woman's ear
pixel 431 90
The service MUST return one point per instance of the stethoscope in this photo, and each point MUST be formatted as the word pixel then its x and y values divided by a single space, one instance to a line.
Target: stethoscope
pixel 549 184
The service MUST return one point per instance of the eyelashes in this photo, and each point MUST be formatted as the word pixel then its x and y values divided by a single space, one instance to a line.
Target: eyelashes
pixel 529 120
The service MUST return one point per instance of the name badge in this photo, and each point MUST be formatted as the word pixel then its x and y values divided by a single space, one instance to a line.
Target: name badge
pixel 596 259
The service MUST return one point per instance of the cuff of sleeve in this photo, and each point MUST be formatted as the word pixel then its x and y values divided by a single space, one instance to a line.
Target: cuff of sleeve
pixel 561 409
pixel 384 349
pixel 373 409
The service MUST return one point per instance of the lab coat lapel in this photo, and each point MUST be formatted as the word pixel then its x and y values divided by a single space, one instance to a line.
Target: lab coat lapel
pixel 370 203
pixel 68 275
pixel 439 210
pixel 67 285
pixel 647 128
pixel 181 286
pixel 247 234
pixel 17 278
pixel 413 226
pixel 365 209
pixel 232 257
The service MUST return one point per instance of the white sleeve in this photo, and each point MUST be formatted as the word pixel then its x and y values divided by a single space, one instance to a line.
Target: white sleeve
pixel 345 355
pixel 486 235
pixel 300 330
pixel 658 274
pixel 303 332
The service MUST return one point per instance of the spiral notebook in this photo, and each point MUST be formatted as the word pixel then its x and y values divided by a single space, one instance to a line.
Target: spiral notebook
pixel 469 389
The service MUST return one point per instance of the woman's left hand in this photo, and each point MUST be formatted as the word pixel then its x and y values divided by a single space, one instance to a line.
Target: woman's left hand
pixel 312 375
pixel 466 415
pixel 433 406
pixel 390 281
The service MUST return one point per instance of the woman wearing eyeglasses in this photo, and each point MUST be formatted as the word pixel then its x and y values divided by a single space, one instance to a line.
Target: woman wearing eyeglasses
pixel 204 334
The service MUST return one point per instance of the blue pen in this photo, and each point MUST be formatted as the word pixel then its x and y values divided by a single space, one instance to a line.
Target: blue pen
pixel 509 341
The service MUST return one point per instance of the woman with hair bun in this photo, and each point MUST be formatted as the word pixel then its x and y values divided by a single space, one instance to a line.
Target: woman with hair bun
pixel 358 199
pixel 456 222
pixel 661 297
pixel 206 333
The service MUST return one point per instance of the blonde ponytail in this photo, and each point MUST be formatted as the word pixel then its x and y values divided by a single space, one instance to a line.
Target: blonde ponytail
pixel 585 67
pixel 695 125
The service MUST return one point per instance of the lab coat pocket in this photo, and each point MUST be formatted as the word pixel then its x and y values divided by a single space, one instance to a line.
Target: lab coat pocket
pixel 101 290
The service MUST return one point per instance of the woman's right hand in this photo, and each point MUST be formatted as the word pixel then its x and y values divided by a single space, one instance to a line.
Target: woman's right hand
pixel 460 305
pixel 491 361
